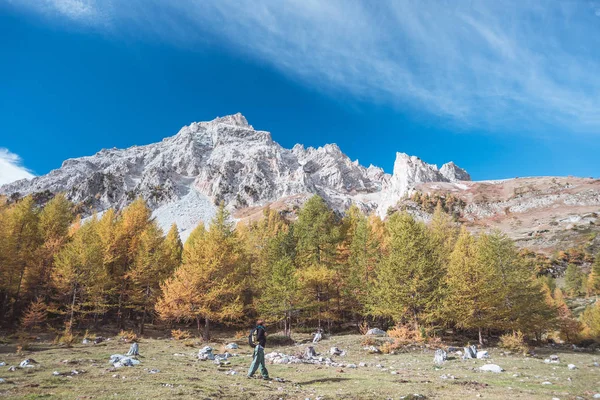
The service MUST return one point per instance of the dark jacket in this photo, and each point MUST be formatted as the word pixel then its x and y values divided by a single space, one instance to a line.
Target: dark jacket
pixel 261 335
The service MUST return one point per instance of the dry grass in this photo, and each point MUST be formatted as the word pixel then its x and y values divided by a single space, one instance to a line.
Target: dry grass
pixel 182 376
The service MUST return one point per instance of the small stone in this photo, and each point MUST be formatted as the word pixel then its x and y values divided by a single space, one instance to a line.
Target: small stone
pixel 28 363
pixel 482 354
pixel 571 366
pixel 2 364
pixel 394 372
pixel 232 346
pixel 362 364
pixel 56 373
pixel 134 350
pixel 334 351
pixel 351 366
pixel 597 396
pixel 491 368
pixel 154 371
pixel 554 359
pixel 376 332
pixel 440 357
pixel 546 383
pixel 12 368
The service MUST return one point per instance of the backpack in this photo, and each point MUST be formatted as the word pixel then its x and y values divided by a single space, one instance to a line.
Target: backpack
pixel 253 337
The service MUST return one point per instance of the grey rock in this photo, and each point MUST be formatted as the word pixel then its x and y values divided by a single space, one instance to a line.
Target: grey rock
pixel 206 353
pixel 482 354
pixel 134 350
pixel 119 360
pixel 440 357
pixel 491 368
pixel 470 352
pixel 310 352
pixel 232 346
pixel 376 332
pixel 571 366
pixel 28 363
pixel 334 351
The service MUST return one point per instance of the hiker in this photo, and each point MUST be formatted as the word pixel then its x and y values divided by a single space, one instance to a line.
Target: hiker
pixel 258 359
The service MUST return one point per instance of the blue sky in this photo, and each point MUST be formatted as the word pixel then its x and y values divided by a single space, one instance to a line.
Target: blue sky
pixel 503 89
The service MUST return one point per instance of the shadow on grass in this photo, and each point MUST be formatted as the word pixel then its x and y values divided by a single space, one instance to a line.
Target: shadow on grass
pixel 324 380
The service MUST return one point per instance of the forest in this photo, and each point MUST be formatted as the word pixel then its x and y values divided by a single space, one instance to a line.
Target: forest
pixel 322 270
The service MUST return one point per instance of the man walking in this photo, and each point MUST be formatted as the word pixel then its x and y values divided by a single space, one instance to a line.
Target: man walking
pixel 258 359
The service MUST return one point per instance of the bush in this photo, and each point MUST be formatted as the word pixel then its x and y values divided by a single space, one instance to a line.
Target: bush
pixel 241 335
pixel 128 336
pixel 363 328
pixel 391 347
pixel 405 334
pixel 515 342
pixel 66 338
pixel 179 334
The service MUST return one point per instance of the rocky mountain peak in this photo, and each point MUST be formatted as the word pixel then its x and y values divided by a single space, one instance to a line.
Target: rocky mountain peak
pixel 183 177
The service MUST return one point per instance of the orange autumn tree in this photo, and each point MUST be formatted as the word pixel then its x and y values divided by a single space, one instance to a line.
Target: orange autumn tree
pixel 208 285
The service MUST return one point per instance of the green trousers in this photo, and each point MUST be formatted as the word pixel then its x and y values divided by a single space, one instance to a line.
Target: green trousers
pixel 258 360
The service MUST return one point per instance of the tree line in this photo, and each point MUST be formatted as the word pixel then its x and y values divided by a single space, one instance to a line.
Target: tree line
pixel 321 270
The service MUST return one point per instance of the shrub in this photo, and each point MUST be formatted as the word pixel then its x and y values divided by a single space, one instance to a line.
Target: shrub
pixel 391 347
pixel 66 337
pixel 515 342
pixel 406 334
pixel 241 335
pixel 363 327
pixel 128 336
pixel 179 334
pixel 369 341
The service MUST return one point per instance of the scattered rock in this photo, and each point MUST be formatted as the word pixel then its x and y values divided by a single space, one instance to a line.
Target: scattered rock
pixel 470 352
pixel 154 371
pixel 2 380
pixel 318 336
pixel 86 341
pixel 134 350
pixel 482 354
pixel 394 372
pixel 12 368
pixel 99 340
pixel 334 351
pixel 119 360
pixel 231 372
pixel 310 352
pixel 362 364
pixel 376 332
pixel 452 377
pixel 546 383
pixel 440 357
pixel 553 359
pixel 206 353
pixel 56 373
pixel 351 366
pixel 2 364
pixel 232 346
pixel 373 350
pixel 28 363
pixel 491 368
pixel 571 366
pixel 597 396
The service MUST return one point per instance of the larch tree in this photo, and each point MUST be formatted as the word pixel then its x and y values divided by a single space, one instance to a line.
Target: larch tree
pixel 21 246
pixel 212 263
pixel 594 278
pixel 79 274
pixel 280 296
pixel 151 266
pixel 408 277
pixel 574 280
pixel 54 222
pixel 472 300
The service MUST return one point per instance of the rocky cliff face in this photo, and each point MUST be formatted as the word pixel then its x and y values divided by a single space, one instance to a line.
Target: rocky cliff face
pixel 184 176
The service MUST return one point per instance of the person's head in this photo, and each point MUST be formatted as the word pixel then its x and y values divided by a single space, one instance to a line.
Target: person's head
pixel 260 322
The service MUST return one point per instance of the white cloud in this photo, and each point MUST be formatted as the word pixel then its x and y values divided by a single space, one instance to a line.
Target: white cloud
pixel 11 168
pixel 482 63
